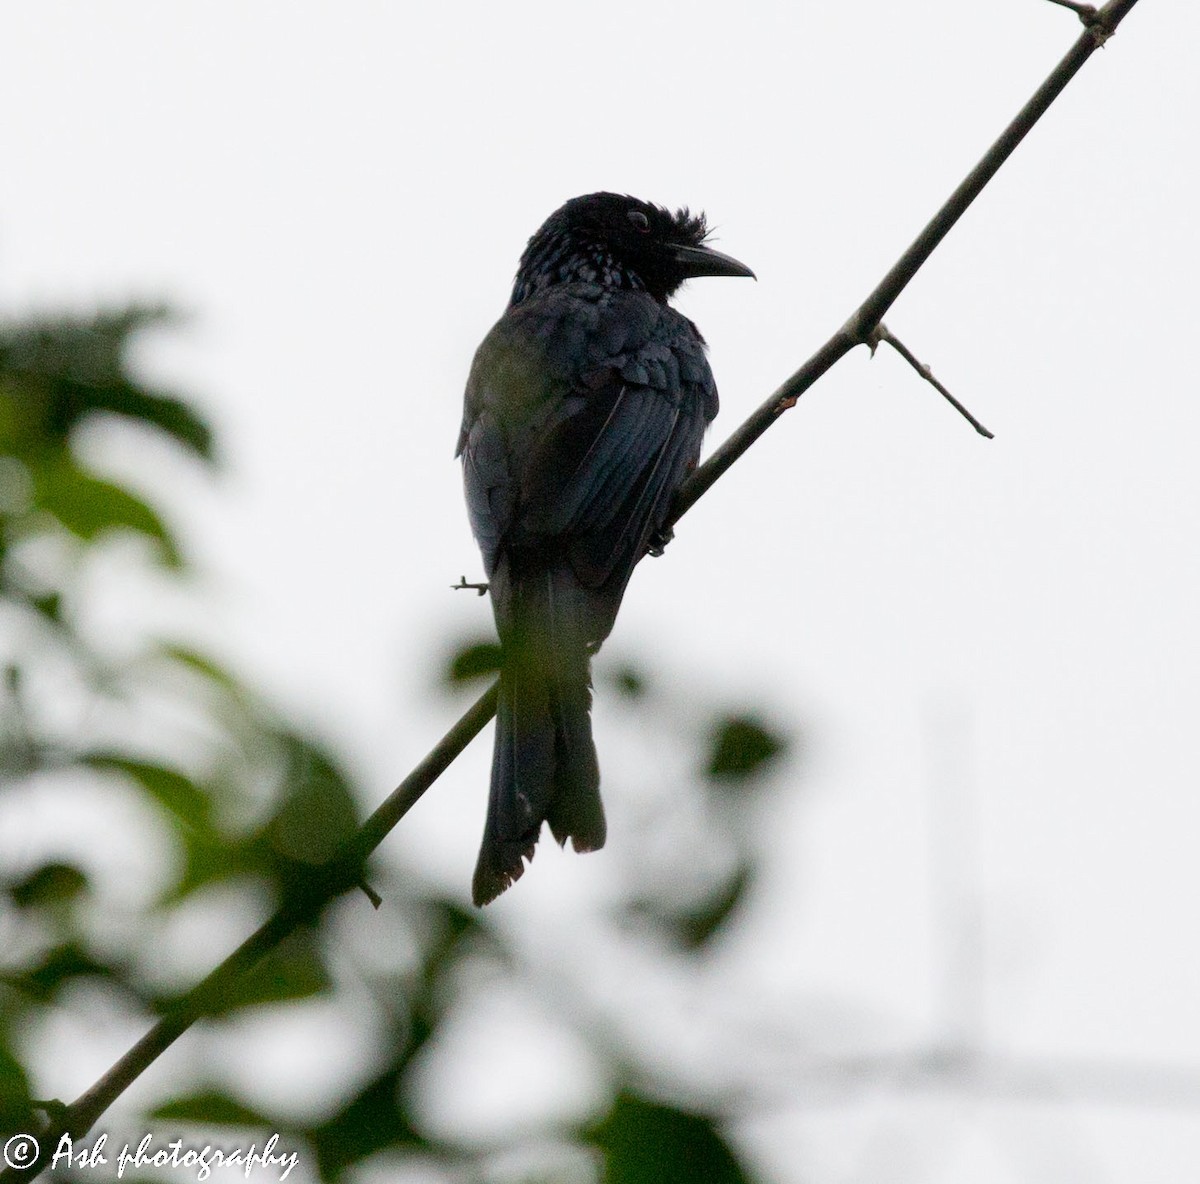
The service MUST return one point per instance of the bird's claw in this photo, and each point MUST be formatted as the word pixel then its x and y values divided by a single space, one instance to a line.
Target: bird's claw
pixel 657 543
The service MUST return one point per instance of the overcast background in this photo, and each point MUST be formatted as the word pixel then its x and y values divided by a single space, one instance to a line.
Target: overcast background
pixel 337 196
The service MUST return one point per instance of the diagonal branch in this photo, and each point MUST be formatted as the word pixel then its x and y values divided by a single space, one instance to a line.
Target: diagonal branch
pixel 302 907
pixel 857 329
pixel 347 872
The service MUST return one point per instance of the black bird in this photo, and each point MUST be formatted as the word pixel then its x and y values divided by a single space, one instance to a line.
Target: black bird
pixel 584 411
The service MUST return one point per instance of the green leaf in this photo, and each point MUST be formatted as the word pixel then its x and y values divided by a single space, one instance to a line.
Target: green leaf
pixel 49 605
pixel 474 661
pixel 169 415
pixel 630 681
pixel 55 372
pixel 698 925
pixel 50 884
pixel 16 1108
pixel 450 923
pixel 645 1142
pixel 207 859
pixel 172 790
pixel 57 966
pixel 739 747
pixel 209 1108
pixel 294 970
pixel 318 813
pixel 373 1121
pixel 90 507
pixel 201 664
pixel 692 926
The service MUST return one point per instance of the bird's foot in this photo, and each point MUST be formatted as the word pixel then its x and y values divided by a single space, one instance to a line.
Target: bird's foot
pixel 658 541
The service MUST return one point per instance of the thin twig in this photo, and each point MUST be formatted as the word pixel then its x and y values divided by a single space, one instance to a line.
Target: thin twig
pixel 858 328
pixel 1088 13
pixel 409 791
pixel 883 333
pixel 346 872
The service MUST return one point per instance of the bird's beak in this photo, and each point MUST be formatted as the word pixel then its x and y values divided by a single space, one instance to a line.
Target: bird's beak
pixel 696 261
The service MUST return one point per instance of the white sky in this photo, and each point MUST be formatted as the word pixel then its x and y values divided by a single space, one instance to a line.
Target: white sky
pixel 338 194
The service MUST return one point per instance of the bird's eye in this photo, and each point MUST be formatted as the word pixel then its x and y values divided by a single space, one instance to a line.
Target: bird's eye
pixel 639 220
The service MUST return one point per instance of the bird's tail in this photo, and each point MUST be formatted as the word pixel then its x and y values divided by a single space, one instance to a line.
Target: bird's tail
pixel 544 766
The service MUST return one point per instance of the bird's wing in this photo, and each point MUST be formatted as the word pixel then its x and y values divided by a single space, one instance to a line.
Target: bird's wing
pixel 580 423
pixel 601 479
pixel 487 480
pixel 512 398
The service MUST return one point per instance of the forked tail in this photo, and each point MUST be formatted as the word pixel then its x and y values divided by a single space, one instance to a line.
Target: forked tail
pixel 544 766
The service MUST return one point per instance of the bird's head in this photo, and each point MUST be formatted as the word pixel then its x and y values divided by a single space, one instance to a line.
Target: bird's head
pixel 619 242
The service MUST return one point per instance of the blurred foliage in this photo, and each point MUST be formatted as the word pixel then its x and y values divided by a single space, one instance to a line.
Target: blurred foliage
pixel 645 1142
pixel 692 923
pixel 740 746
pixel 244 803
pixel 474 661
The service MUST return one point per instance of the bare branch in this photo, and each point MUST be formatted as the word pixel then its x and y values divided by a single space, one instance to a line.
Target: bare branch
pixel 347 872
pixel 1088 13
pixel 883 333
pixel 409 791
pixel 857 330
